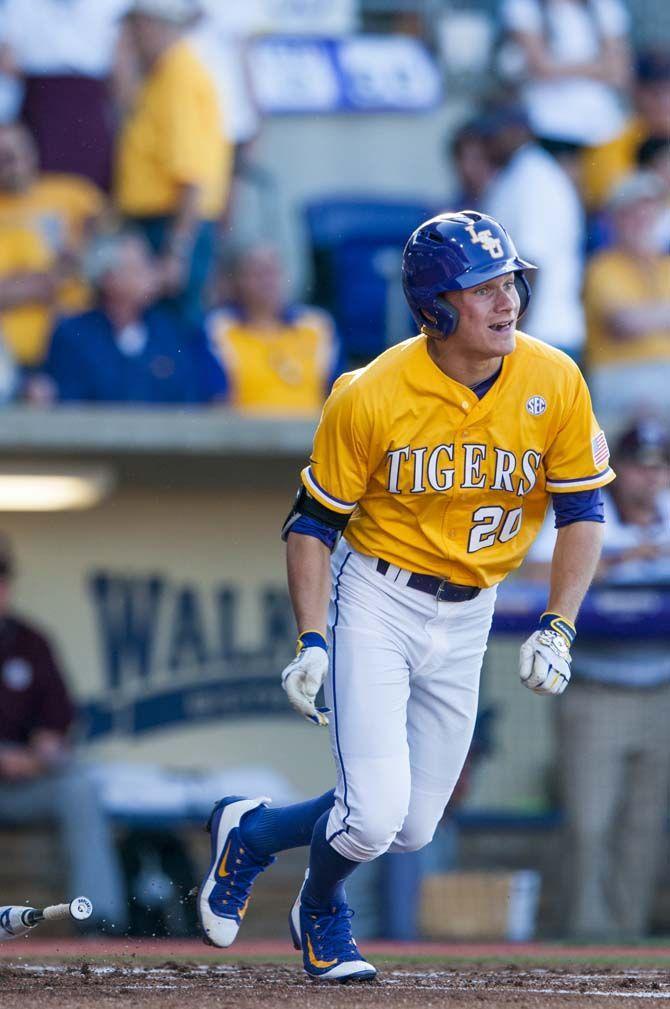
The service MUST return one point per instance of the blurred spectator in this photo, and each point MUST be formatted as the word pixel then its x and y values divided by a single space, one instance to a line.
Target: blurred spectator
pixel 627 300
pixel 613 741
pixel 536 200
pixel 467 149
pixel 220 40
pixel 125 350
pixel 572 60
pixel 65 208
pixel 174 164
pixel 11 88
pixel 29 279
pixel 45 220
pixel 278 358
pixel 9 375
pixel 654 156
pixel 39 775
pixel 607 164
pixel 64 50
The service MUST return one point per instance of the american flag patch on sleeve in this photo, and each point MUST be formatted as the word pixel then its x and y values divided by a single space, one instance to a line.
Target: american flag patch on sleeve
pixel 600 449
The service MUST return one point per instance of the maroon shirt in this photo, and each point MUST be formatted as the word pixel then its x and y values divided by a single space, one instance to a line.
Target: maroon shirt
pixel 33 694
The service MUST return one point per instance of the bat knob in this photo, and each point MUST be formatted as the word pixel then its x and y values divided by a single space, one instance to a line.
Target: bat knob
pixel 81 908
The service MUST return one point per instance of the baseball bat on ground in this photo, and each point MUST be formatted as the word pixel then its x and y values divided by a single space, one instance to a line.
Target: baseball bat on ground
pixel 16 920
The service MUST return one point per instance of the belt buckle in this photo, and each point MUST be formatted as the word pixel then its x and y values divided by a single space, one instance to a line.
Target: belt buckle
pixel 445 583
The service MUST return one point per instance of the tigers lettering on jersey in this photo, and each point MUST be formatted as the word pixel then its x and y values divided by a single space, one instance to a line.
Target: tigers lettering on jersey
pixel 425 468
pixel 453 485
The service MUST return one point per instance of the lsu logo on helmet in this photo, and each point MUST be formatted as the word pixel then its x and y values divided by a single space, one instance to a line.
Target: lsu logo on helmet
pixel 487 241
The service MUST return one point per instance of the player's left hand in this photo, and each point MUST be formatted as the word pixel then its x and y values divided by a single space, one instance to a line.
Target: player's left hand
pixel 545 656
pixel 302 678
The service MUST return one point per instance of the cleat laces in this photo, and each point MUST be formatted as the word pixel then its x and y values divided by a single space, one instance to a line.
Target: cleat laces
pixel 236 888
pixel 332 934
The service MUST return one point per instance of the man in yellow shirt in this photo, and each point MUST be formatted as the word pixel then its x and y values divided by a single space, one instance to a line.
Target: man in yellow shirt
pixel 605 166
pixel 627 302
pixel 45 221
pixel 279 359
pixel 429 478
pixel 174 164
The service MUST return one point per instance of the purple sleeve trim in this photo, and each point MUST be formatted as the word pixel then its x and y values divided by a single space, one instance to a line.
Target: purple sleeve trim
pixel 578 506
pixel 307 526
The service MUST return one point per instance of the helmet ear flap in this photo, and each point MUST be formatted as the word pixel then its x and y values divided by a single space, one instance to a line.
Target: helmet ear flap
pixel 523 290
pixel 445 318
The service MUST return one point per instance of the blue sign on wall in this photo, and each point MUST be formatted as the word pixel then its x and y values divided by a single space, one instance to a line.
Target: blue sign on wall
pixel 170 652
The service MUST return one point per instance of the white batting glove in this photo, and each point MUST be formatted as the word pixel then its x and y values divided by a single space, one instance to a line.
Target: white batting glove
pixel 545 657
pixel 302 678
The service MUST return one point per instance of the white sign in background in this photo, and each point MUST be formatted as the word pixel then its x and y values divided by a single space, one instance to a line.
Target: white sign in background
pixel 313 17
pixel 379 72
pixel 284 17
pixel 365 73
pixel 293 76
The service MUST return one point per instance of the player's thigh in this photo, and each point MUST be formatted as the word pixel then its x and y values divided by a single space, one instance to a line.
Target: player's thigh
pixel 441 712
pixel 444 691
pixel 367 690
pixel 367 686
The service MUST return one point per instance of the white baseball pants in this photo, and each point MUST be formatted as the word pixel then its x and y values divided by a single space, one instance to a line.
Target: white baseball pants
pixel 403 687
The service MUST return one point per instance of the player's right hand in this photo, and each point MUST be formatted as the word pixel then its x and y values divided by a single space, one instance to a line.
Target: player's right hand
pixel 302 678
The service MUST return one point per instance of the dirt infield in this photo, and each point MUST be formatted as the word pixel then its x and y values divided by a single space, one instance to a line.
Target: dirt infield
pixel 167 975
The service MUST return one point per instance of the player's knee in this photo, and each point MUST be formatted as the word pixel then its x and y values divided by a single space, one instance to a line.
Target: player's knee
pixel 413 837
pixel 370 836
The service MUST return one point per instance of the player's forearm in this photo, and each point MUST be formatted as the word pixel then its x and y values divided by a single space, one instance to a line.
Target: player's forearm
pixel 573 566
pixel 308 565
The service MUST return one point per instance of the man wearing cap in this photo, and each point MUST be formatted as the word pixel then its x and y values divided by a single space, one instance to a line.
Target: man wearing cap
pixel 613 722
pixel 174 164
pixel 39 777
pixel 627 301
pixel 535 199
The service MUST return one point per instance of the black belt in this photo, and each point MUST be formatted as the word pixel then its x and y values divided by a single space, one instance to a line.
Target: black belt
pixel 443 590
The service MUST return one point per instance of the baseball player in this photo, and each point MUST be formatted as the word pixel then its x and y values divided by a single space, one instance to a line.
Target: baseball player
pixel 430 475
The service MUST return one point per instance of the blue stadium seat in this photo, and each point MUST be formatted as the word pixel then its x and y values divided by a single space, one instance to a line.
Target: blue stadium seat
pixel 356 245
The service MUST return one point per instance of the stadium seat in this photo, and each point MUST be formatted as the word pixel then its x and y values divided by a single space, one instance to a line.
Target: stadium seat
pixel 356 245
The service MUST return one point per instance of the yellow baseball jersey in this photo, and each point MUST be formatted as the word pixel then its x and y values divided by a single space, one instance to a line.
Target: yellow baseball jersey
pixel 603 167
pixel 61 209
pixel 61 205
pixel 615 281
pixel 440 482
pixel 25 328
pixel 282 371
pixel 173 138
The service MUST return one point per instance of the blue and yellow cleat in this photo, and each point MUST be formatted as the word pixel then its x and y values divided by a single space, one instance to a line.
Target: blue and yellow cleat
pixel 224 894
pixel 329 951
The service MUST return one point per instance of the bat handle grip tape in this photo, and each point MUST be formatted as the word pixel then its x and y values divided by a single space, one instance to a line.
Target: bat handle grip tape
pixel 55 912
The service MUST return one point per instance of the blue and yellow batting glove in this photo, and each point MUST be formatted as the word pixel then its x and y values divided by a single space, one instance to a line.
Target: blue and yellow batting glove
pixel 302 679
pixel 545 657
